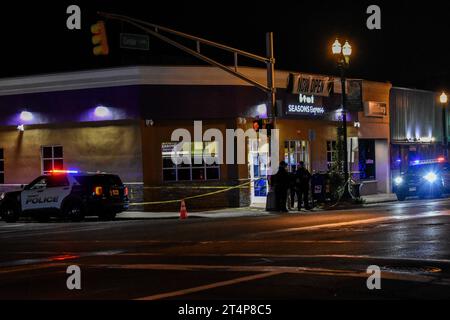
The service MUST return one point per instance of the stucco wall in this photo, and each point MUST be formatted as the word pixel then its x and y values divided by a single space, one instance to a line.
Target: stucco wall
pixel 110 147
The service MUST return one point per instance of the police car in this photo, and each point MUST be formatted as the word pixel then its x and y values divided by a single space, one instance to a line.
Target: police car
pixel 68 194
pixel 424 178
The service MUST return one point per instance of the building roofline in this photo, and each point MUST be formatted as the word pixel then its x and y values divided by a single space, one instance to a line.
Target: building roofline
pixel 139 75
pixel 412 89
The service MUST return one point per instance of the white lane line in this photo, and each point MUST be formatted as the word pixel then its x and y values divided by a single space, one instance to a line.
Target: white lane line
pixel 209 286
pixel 275 255
pixel 360 222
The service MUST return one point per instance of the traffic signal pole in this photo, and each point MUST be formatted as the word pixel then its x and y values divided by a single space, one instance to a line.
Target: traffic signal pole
pixel 271 75
pixel 156 30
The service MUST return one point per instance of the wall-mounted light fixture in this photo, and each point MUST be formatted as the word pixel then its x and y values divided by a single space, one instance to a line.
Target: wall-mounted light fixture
pixel 26 116
pixel 102 112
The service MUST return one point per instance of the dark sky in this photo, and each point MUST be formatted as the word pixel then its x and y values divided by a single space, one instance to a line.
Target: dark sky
pixel 410 50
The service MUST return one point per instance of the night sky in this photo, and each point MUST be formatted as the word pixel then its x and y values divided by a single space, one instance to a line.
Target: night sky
pixel 410 50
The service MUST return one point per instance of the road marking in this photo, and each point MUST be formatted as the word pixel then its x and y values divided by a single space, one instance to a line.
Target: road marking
pixel 269 255
pixel 271 271
pixel 359 222
pixel 209 286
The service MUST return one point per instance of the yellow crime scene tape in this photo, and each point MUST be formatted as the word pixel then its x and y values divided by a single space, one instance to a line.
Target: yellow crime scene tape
pixel 194 197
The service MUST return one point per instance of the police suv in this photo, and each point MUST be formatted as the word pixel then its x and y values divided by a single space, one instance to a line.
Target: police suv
pixel 68 194
pixel 425 178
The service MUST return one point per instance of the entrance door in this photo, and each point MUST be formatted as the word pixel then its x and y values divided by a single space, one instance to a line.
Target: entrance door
pixel 258 157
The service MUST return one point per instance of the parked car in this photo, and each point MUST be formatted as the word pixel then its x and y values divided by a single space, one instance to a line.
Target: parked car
pixel 67 194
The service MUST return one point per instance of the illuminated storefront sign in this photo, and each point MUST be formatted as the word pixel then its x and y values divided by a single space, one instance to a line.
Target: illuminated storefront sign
pixel 307 106
pixel 309 84
pixel 304 109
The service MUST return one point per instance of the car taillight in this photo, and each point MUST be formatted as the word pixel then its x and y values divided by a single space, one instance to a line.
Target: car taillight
pixel 125 192
pixel 98 191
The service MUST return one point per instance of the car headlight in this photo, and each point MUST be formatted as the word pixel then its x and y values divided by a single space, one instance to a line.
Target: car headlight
pixel 431 177
pixel 398 180
pixel 2 196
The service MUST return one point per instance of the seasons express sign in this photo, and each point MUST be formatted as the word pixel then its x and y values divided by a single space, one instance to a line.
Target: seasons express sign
pixel 307 106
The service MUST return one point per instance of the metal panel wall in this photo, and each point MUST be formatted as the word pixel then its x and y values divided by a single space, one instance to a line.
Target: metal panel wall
pixel 415 114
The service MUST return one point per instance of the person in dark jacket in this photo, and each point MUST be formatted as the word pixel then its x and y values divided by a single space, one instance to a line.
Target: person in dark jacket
pixel 302 179
pixel 281 186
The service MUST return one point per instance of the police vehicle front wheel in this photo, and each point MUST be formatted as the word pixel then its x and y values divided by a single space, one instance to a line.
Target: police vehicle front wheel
pixel 74 212
pixel 9 213
pixel 401 197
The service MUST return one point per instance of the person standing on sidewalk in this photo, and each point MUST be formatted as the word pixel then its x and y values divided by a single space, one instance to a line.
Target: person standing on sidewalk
pixel 302 179
pixel 281 186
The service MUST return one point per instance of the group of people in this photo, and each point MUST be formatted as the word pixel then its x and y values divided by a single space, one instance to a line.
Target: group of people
pixel 297 183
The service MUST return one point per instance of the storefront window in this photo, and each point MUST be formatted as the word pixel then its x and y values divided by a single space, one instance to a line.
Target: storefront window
pixel 331 153
pixel 194 167
pixel 367 163
pixel 52 158
pixel 294 152
pixel 2 167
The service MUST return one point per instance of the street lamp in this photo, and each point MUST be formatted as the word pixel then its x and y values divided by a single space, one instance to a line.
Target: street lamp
pixel 443 99
pixel 342 55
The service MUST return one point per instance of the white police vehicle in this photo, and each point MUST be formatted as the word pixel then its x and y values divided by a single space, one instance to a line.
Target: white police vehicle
pixel 68 194
pixel 423 178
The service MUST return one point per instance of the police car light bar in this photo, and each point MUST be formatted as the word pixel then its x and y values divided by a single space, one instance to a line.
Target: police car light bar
pixel 64 171
pixel 431 161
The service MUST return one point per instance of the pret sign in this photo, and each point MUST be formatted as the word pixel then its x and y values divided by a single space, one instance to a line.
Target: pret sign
pixel 306 106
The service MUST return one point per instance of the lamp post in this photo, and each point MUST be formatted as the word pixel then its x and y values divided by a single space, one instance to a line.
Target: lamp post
pixel 443 99
pixel 342 54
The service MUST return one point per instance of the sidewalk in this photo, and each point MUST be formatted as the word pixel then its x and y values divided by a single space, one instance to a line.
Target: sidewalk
pixel 223 213
pixel 379 198
pixel 256 210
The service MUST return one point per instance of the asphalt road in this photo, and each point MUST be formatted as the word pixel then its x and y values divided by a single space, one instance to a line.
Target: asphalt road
pixel 290 256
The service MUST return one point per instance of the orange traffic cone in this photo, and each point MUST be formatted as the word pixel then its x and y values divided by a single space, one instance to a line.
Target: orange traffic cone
pixel 183 211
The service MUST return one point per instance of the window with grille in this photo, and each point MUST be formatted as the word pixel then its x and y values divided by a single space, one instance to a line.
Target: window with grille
pixel 201 162
pixel 52 158
pixel 331 153
pixel 296 151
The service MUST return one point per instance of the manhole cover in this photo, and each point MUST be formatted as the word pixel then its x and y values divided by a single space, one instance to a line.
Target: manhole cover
pixel 406 269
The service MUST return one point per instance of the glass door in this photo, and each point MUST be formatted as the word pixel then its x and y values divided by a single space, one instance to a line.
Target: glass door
pixel 258 157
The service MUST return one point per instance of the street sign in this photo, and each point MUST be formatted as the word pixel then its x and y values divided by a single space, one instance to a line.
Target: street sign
pixel 134 41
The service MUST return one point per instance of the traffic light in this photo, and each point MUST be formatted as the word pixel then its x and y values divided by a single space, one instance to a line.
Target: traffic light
pixel 258 125
pixel 99 39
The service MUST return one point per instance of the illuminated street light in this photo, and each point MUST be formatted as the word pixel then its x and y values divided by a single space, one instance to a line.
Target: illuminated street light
pixel 347 49
pixel 342 54
pixel 336 47
pixel 443 98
